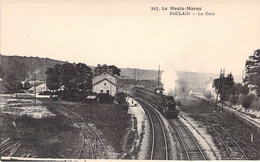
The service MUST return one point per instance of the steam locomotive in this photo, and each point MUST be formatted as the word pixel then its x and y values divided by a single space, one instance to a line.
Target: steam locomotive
pixel 166 104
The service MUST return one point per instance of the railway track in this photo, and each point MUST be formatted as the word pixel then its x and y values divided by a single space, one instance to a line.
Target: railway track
pixel 231 148
pixel 9 147
pixel 190 146
pixel 159 147
pixel 249 151
pixel 98 147
pixel 92 144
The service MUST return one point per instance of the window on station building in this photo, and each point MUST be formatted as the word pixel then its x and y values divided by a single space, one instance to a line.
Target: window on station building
pixel 105 83
pixel 107 91
pixel 101 91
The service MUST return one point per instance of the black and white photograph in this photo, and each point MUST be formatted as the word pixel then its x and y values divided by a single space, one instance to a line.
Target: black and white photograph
pixel 129 80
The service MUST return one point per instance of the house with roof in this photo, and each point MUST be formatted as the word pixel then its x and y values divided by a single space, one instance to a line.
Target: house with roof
pixel 104 81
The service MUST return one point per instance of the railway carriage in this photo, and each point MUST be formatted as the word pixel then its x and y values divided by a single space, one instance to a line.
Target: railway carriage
pixel 165 104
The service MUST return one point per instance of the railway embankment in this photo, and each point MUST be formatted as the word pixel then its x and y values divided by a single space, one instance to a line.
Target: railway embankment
pixel 229 133
pixel 240 113
pixel 247 119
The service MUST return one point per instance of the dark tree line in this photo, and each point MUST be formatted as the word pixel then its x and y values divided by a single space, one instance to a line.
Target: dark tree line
pixel 228 89
pixel 73 81
pixel 112 68
pixel 26 65
pixel 10 82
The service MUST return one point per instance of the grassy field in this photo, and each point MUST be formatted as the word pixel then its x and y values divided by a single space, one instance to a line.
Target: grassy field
pixel 47 137
pixel 56 136
pixel 110 119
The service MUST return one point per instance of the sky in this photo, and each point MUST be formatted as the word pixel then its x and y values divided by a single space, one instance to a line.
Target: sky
pixel 129 34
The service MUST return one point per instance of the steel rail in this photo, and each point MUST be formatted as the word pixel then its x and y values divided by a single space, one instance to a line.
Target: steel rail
pixel 240 149
pixel 15 148
pixel 95 145
pixel 4 141
pixel 163 129
pixel 243 143
pixel 182 142
pixel 231 137
pixel 87 138
pixel 221 140
pixel 197 145
pixel 193 139
pixel 95 132
pixel 9 147
pixel 237 145
pixel 161 124
pixel 83 136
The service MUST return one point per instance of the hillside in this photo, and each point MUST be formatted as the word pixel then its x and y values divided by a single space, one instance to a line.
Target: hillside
pixel 25 66
pixel 141 74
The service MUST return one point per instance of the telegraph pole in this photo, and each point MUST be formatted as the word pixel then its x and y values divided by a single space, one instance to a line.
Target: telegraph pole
pixel 222 90
pixel 34 89
pixel 135 78
pixel 158 77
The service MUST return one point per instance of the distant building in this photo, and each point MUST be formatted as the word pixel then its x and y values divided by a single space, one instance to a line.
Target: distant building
pixel 104 82
pixel 39 88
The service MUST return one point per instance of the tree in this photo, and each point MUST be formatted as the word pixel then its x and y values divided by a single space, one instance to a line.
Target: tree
pixel 53 80
pixel 240 89
pixel 116 71
pixel 224 86
pixel 83 77
pixel 1 72
pixel 68 77
pixel 76 80
pixel 14 85
pixel 252 78
pixel 112 68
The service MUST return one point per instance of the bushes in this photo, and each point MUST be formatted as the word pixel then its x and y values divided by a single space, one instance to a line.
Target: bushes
pixel 105 98
pixel 256 104
pixel 233 99
pixel 247 100
pixel 121 98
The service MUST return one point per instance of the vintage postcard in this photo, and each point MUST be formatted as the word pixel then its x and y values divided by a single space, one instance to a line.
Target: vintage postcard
pixel 130 80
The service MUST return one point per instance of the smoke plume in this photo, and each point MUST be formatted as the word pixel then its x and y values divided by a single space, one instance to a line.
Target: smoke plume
pixel 169 78
pixel 31 75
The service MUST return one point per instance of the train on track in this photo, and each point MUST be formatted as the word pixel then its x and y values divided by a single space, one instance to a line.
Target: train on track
pixel 165 104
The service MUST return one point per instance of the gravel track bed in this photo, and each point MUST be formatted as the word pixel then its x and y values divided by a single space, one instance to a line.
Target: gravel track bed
pixel 204 112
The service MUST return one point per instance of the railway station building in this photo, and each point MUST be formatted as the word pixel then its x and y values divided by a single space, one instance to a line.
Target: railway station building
pixel 105 82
